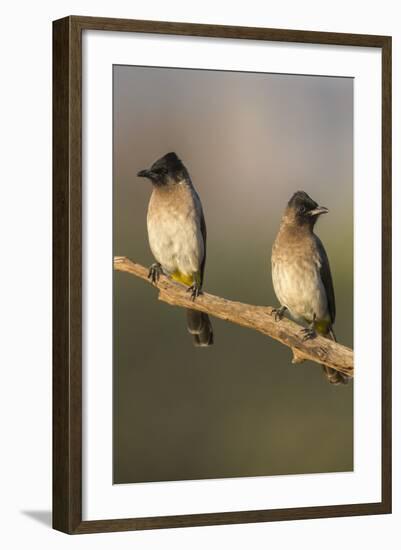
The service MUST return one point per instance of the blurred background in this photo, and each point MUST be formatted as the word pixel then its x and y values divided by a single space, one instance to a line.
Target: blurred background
pixel 238 408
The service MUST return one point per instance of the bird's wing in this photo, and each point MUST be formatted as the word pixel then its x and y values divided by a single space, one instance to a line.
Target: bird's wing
pixel 203 231
pixel 199 210
pixel 325 275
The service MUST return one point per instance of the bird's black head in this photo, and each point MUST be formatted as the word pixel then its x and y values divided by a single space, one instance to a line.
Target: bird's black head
pixel 167 170
pixel 303 210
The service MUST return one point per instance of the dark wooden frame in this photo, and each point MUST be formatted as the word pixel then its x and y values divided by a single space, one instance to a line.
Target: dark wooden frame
pixel 67 280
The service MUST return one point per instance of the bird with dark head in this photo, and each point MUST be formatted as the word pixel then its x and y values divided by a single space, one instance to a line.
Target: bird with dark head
pixel 177 235
pixel 301 273
pixel 167 170
pixel 302 210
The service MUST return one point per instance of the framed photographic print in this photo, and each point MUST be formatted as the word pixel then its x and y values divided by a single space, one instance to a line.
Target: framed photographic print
pixel 222 274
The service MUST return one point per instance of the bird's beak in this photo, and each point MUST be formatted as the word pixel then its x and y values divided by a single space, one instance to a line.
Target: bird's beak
pixel 144 174
pixel 317 211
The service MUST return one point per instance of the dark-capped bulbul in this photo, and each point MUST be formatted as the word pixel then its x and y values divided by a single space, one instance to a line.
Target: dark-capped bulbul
pixel 177 235
pixel 301 273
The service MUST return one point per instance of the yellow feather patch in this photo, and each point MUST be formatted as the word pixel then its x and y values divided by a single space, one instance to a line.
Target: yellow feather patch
pixel 322 327
pixel 187 280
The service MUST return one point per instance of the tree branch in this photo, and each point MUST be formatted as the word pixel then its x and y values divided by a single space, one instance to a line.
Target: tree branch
pixel 260 318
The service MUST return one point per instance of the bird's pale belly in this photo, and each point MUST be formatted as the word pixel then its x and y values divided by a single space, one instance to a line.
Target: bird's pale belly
pixel 299 288
pixel 177 245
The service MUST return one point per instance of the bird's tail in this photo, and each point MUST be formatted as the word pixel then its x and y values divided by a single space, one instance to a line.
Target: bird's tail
pixel 199 325
pixel 334 376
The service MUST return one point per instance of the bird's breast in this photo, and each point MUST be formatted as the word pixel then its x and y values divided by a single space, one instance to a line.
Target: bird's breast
pixel 297 282
pixel 174 233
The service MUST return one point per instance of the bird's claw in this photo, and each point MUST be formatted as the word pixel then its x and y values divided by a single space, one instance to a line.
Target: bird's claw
pixel 308 334
pixel 195 291
pixel 155 271
pixel 278 313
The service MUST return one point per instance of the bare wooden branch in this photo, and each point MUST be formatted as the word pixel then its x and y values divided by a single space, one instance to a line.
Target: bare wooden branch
pixel 260 318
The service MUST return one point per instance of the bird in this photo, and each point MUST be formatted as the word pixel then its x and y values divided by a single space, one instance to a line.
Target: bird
pixel 177 236
pixel 301 273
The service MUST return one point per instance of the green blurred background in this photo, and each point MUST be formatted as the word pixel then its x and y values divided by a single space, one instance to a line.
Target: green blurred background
pixel 238 408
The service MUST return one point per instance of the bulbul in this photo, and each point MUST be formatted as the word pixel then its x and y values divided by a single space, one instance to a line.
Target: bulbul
pixel 301 273
pixel 177 235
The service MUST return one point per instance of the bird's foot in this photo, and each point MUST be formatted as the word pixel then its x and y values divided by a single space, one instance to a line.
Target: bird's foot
pixel 278 312
pixel 308 334
pixel 155 271
pixel 195 290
